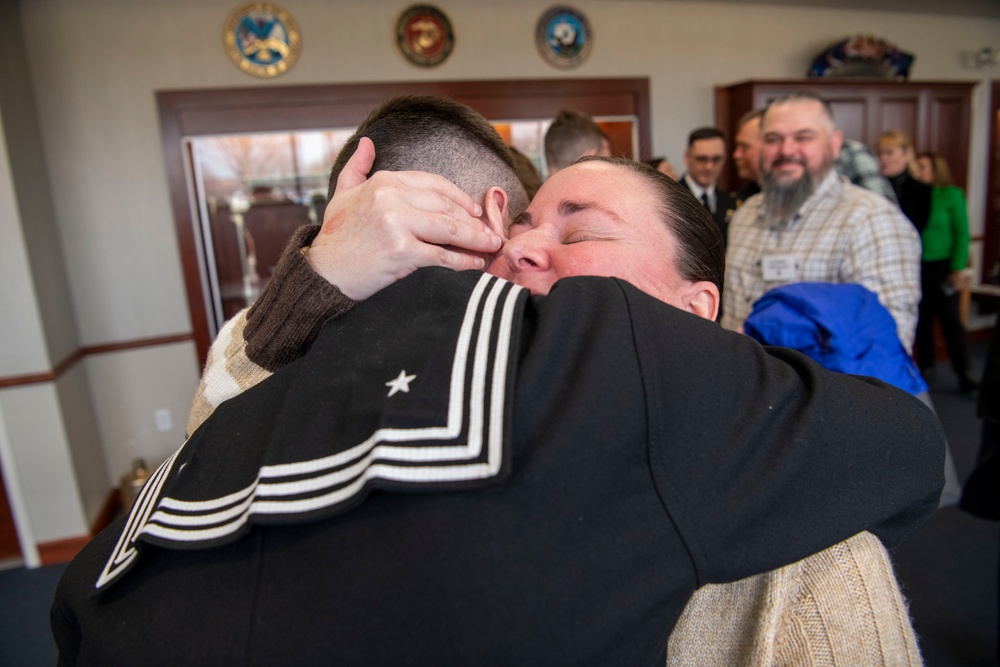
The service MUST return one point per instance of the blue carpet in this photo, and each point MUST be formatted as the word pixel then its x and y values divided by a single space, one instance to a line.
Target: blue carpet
pixel 25 598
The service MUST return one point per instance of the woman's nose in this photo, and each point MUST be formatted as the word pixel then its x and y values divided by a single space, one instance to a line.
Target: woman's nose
pixel 527 252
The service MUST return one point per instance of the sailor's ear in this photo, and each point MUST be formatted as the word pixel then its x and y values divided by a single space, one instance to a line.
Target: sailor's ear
pixel 495 211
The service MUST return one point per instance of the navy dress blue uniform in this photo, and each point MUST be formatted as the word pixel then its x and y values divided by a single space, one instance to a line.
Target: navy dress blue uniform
pixel 725 204
pixel 549 487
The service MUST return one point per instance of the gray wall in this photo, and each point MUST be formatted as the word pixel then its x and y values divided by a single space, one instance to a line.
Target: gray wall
pixel 94 66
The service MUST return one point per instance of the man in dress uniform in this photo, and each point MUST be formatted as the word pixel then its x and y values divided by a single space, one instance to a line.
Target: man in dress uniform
pixel 704 158
pixel 459 472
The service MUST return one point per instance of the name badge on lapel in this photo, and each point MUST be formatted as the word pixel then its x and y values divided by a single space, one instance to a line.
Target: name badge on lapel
pixel 780 268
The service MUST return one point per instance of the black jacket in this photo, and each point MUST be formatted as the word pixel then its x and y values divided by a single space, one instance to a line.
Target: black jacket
pixel 914 199
pixel 558 477
pixel 725 205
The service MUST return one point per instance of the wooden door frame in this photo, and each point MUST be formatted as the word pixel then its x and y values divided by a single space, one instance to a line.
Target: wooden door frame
pixel 10 545
pixel 991 223
pixel 189 113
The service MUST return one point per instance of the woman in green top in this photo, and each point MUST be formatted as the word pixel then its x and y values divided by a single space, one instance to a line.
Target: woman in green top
pixel 945 255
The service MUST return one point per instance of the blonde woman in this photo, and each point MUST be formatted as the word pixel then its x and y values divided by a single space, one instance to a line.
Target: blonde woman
pixel 945 255
pixel 898 163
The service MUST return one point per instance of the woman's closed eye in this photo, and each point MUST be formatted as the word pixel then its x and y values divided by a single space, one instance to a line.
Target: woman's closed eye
pixel 578 237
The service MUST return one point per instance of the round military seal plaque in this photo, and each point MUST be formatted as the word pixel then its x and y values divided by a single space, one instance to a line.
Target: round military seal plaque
pixel 262 39
pixel 424 35
pixel 563 36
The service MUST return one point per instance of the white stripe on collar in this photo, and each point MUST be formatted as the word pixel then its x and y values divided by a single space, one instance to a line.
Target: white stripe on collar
pixel 308 486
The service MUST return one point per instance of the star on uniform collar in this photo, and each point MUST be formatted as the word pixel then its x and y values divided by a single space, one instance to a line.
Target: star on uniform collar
pixel 401 383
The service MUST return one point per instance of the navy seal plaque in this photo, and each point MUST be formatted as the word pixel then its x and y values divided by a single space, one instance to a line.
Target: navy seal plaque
pixel 563 36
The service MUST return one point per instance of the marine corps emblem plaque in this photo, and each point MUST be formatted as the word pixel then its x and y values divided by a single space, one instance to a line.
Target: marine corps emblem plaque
pixel 424 35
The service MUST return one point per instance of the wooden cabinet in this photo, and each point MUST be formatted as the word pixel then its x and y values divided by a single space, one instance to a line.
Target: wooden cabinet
pixel 937 115
pixel 991 232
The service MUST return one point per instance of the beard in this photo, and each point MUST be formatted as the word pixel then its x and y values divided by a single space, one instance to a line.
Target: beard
pixel 783 200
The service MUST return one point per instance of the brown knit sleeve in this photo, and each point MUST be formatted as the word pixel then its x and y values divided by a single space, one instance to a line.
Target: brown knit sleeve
pixel 291 310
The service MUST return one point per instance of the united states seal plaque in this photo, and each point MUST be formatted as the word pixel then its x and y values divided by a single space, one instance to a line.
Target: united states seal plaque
pixel 563 36
pixel 262 39
pixel 424 35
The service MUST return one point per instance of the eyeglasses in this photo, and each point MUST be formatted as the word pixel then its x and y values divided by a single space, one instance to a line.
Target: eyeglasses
pixel 708 159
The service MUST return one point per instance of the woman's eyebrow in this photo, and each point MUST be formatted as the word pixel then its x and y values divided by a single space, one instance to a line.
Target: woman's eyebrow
pixel 523 218
pixel 570 207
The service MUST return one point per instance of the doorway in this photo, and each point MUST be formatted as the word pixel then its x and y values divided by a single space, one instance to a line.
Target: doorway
pixel 230 238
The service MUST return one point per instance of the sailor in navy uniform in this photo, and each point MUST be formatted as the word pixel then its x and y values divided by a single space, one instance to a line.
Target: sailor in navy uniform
pixel 460 473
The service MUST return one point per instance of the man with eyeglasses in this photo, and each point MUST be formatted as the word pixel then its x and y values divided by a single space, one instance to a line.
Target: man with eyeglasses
pixel 705 157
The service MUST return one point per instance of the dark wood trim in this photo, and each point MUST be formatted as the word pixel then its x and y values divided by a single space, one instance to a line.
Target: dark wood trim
pixel 109 512
pixel 35 378
pixel 10 545
pixel 991 223
pixel 133 344
pixel 170 107
pixel 61 551
pixel 68 362
pixel 190 113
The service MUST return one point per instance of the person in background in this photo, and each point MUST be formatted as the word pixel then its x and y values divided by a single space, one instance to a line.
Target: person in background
pixel 662 165
pixel 746 154
pixel 526 172
pixel 898 163
pixel 927 171
pixel 811 224
pixel 704 158
pixel 860 167
pixel 945 255
pixel 571 136
pixel 981 494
